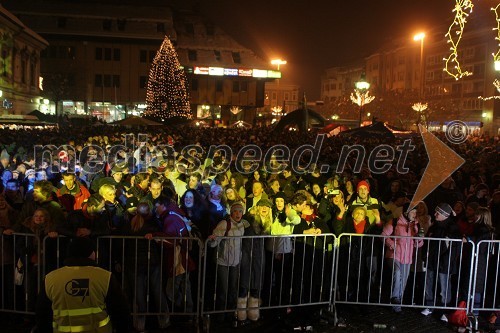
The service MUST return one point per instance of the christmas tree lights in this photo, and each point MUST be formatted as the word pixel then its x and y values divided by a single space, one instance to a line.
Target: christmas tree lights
pixel 455 32
pixel 167 94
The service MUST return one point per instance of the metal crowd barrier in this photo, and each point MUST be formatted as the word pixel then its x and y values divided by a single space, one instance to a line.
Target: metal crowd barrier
pixel 436 275
pixel 485 296
pixel 149 270
pixel 244 275
pixel 21 252
pixel 237 277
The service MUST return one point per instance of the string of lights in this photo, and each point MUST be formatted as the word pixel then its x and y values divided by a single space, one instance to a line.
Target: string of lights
pixel 361 98
pixel 167 93
pixel 496 83
pixel 455 32
pixel 496 56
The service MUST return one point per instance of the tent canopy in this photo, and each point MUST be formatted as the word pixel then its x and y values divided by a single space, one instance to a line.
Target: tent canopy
pixel 299 118
pixel 376 130
pixel 136 121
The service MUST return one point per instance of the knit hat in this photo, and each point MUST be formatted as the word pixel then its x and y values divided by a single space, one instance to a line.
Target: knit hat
pixel 237 204
pixel 4 155
pixel 29 172
pixel 80 247
pixel 280 195
pixel 363 183
pixel 445 209
pixel 265 202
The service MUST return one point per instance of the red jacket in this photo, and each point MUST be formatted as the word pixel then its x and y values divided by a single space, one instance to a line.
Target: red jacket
pixel 80 193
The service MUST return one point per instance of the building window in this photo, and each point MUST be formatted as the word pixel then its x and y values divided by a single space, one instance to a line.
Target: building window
pixel 143 81
pixel 401 60
pixel 244 86
pixel 107 80
pixel 219 84
pixel 106 25
pixel 160 27
pixel 192 55
pixel 116 81
pixel 478 87
pixel 98 53
pixel 120 24
pixel 116 54
pixel 217 55
pixel 274 96
pixel 236 57
pixel 236 86
pixel 98 80
pixel 287 96
pixel 32 74
pixel 61 22
pixel 152 55
pixel 194 85
pixel 143 55
pixel 107 53
pixel 189 28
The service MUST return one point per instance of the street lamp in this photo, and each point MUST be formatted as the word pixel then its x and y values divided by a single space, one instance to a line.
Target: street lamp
pixel 362 96
pixel 420 36
pixel 278 63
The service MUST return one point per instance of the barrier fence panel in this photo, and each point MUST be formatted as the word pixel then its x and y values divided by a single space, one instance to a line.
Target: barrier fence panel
pixel 20 272
pixel 160 275
pixel 485 295
pixel 243 275
pixel 398 271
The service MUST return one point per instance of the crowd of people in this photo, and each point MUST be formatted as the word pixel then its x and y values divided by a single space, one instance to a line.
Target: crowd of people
pixel 74 189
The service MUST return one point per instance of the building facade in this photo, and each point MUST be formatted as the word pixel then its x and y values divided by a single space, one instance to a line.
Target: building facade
pixel 20 49
pixel 394 74
pixel 99 59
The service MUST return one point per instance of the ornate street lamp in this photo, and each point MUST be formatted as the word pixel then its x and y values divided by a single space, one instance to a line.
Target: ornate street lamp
pixel 361 95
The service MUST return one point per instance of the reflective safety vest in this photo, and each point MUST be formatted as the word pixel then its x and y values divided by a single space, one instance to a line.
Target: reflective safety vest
pixel 78 296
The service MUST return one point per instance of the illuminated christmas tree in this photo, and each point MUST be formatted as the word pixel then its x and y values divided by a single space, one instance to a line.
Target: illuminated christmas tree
pixel 167 95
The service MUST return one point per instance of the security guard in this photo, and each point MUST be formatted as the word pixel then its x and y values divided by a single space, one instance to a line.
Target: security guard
pixel 81 297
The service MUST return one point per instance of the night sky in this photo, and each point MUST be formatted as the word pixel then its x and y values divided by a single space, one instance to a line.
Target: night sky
pixel 313 35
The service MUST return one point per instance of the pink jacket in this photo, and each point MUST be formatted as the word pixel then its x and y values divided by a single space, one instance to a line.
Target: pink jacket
pixel 401 249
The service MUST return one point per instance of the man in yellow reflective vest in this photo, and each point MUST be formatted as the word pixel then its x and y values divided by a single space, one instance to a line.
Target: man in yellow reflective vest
pixel 81 297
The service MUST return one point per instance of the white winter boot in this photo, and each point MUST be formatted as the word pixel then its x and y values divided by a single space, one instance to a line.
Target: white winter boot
pixel 241 313
pixel 253 308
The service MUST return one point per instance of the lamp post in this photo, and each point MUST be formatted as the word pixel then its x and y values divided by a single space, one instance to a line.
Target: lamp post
pixel 420 37
pixel 278 63
pixel 362 96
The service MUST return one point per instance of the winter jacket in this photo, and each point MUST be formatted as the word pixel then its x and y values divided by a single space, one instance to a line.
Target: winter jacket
pixel 401 249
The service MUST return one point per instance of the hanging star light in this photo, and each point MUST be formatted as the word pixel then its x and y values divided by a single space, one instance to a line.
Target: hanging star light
pixel 167 94
pixel 455 32
pixel 361 98
pixel 419 107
